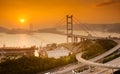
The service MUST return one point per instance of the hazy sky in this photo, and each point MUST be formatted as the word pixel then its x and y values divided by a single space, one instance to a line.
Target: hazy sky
pixel 46 13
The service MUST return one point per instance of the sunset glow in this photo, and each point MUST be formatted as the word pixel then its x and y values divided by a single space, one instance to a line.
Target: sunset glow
pixel 22 20
pixel 45 13
pixel 51 36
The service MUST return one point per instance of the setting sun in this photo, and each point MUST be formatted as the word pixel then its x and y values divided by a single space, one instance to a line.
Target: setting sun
pixel 22 20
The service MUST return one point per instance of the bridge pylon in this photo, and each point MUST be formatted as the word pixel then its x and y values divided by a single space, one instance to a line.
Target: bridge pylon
pixel 69 19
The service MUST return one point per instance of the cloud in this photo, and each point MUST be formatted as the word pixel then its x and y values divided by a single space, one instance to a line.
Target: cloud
pixel 108 2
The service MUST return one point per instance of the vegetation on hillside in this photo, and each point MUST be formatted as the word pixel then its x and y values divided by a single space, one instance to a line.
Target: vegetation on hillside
pixel 97 47
pixel 33 65
pixel 111 57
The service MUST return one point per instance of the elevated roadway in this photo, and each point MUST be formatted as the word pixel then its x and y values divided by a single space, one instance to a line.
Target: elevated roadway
pixel 91 63
pixel 68 69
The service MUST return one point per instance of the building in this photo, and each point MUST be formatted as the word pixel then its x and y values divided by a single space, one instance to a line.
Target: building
pixel 17 51
pixel 58 52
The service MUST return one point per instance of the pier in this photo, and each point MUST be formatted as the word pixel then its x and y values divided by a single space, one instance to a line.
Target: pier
pixel 17 51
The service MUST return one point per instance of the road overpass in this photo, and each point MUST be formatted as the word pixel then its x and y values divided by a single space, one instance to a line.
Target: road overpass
pixel 91 63
pixel 68 69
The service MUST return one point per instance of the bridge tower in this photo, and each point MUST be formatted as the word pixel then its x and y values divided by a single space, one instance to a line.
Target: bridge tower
pixel 31 27
pixel 69 23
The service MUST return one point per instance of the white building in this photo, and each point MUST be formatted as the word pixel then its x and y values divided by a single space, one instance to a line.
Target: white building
pixel 58 52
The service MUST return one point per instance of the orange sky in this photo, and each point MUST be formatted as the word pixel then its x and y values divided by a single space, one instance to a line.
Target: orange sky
pixel 46 13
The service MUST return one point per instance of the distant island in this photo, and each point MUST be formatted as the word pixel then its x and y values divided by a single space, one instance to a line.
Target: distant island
pixel 114 27
pixel 90 27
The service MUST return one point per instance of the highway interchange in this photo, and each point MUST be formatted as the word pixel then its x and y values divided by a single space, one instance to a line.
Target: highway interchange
pixel 97 70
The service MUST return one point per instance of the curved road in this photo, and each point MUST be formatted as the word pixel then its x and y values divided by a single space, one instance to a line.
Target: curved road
pixel 78 57
pixel 68 69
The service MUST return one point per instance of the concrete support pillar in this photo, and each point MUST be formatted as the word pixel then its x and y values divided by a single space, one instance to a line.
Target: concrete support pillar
pixel 112 71
pixel 82 39
pixel 75 39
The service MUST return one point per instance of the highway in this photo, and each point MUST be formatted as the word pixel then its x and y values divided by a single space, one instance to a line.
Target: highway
pixel 78 57
pixel 106 53
pixel 72 67
pixel 99 70
pixel 91 63
pixel 68 69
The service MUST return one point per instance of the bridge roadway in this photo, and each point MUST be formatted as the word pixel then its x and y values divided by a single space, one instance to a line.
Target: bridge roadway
pixel 88 36
pixel 77 38
pixel 91 63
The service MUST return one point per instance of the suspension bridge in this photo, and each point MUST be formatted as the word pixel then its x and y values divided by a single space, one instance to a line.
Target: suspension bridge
pixel 75 38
